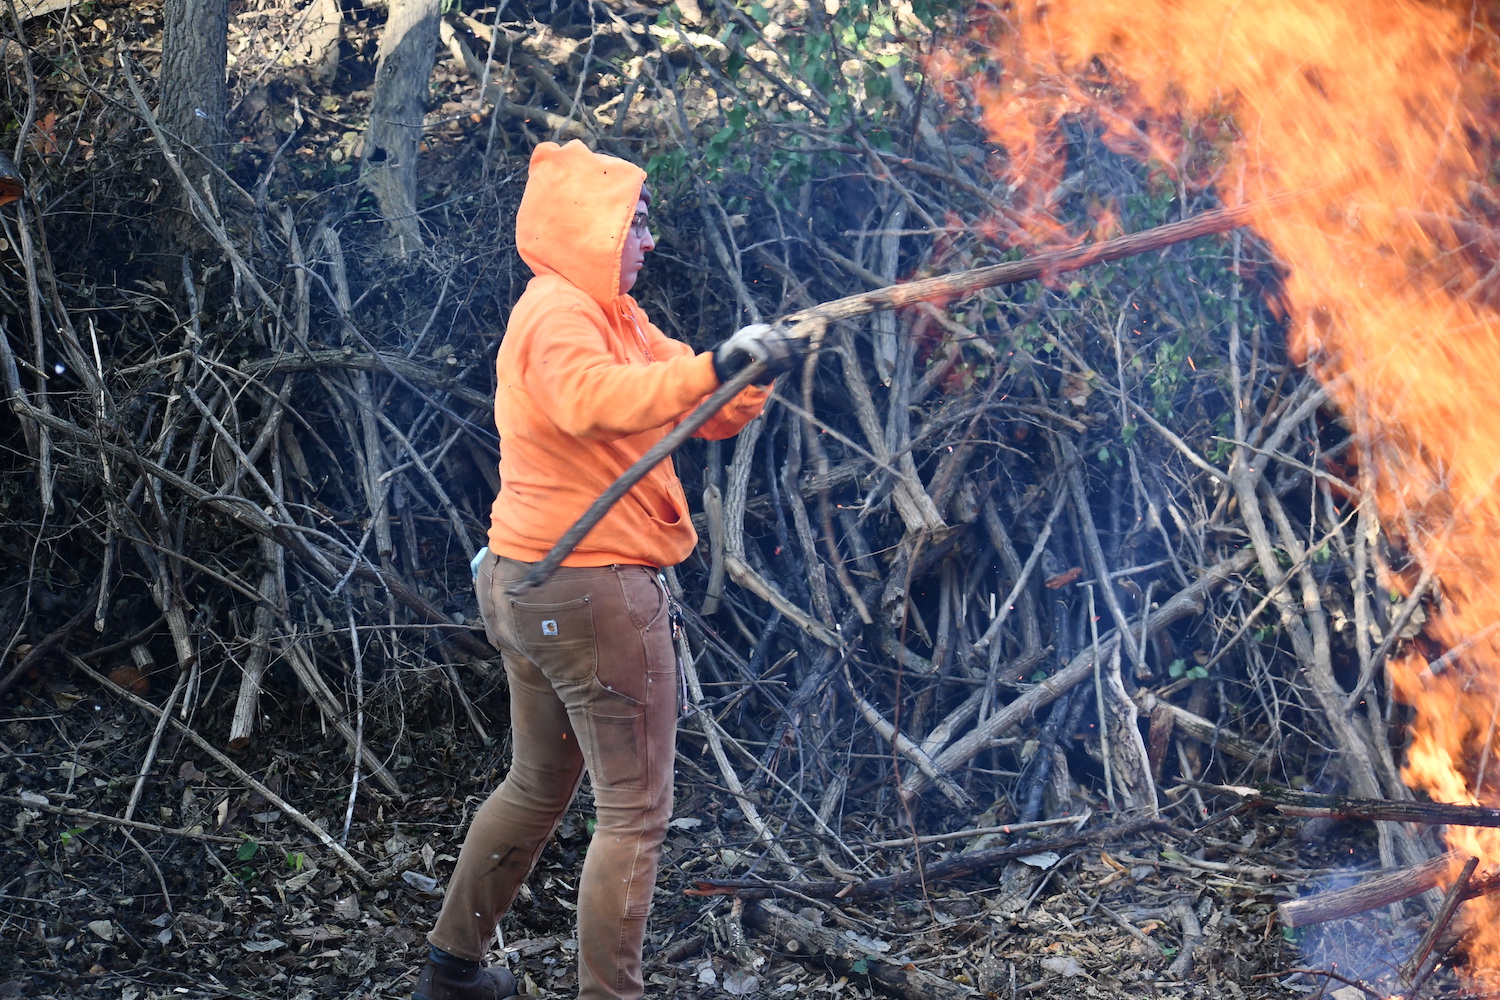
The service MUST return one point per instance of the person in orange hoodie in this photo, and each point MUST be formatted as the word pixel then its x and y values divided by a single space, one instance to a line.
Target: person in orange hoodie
pixel 586 385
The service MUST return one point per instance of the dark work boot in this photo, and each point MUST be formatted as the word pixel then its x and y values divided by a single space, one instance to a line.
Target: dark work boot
pixel 448 977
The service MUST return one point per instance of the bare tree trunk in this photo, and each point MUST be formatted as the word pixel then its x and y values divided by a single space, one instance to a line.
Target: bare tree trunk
pixel 316 45
pixel 194 101
pixel 407 50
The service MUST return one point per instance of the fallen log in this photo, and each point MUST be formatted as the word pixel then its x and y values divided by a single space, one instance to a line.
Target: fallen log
pixel 803 939
pixel 811 322
pixel 1385 889
pixel 926 875
pixel 1381 890
pixel 1290 803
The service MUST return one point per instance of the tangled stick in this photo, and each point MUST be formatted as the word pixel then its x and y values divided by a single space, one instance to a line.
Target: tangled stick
pixel 810 323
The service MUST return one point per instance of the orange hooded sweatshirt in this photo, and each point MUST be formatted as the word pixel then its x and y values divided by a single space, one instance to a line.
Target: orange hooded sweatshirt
pixel 586 384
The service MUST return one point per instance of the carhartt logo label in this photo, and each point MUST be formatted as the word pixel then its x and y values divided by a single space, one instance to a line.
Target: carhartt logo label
pixel 549 626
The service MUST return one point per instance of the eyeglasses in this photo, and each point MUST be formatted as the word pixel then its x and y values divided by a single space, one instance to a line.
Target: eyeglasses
pixel 638 225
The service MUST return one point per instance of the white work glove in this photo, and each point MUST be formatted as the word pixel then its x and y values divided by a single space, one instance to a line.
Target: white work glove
pixel 768 342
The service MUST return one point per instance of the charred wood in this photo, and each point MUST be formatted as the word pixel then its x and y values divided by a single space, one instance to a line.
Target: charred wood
pixel 1291 803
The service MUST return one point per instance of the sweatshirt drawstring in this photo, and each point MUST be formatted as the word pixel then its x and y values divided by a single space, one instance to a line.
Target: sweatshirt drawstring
pixel 639 333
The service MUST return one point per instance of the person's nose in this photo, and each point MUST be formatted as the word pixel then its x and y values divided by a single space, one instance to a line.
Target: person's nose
pixel 648 242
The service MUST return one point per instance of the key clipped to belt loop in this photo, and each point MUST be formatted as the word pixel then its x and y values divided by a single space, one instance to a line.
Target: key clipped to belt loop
pixel 679 646
pixel 674 610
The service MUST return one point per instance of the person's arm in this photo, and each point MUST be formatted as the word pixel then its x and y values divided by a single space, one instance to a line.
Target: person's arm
pixel 733 415
pixel 582 388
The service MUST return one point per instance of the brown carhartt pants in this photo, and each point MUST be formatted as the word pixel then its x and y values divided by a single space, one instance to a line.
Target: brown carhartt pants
pixel 593 685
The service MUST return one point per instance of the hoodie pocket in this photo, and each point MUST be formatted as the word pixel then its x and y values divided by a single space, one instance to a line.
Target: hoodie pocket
pixel 668 506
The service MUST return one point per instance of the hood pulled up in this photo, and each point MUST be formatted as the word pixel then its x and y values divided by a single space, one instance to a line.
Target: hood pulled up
pixel 574 215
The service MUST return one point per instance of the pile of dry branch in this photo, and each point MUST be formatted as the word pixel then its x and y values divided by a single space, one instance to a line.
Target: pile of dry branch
pixel 1059 549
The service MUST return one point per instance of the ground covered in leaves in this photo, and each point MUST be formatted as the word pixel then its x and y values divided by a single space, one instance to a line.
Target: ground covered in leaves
pixel 211 891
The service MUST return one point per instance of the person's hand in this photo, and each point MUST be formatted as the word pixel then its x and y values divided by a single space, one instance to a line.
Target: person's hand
pixel 768 342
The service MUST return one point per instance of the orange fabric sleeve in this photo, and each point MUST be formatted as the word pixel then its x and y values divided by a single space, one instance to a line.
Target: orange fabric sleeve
pixel 733 415
pixel 589 393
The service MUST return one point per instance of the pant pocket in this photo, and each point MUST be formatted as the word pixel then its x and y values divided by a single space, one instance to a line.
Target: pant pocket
pixel 558 638
pixel 620 750
pixel 645 599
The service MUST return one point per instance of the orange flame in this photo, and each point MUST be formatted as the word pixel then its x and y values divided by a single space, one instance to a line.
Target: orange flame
pixel 1377 117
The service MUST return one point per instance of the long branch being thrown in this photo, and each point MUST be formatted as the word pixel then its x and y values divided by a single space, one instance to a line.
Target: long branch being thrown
pixel 811 322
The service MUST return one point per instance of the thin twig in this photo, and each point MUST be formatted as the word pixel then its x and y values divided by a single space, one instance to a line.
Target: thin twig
pixel 291 811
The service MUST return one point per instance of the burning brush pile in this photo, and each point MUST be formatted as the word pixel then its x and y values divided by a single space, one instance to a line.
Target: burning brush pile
pixel 1174 478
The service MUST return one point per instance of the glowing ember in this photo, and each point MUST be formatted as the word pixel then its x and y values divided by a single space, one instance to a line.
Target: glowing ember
pixel 1377 114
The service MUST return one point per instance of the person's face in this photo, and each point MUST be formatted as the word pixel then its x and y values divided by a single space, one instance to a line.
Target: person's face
pixel 638 242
